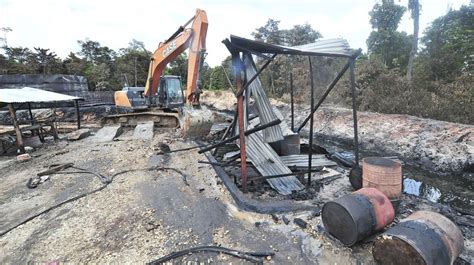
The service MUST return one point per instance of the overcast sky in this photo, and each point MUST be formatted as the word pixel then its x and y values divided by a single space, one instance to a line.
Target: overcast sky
pixel 58 24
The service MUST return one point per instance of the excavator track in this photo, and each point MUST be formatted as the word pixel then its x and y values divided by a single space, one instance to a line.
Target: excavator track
pixel 194 123
pixel 159 118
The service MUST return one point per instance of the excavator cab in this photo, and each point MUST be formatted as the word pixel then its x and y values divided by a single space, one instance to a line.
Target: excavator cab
pixel 170 92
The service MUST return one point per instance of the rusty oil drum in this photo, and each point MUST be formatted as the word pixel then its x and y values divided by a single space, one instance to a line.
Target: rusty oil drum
pixel 383 174
pixel 355 216
pixel 424 237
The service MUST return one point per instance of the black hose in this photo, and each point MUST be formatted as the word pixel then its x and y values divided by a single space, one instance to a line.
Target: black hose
pixel 254 257
pixel 101 177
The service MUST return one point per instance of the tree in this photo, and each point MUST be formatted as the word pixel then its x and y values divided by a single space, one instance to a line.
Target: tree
pixel 275 79
pixel 100 66
pixel 19 59
pixel 301 34
pixel 132 63
pixel 74 65
pixel 5 30
pixel 46 62
pixel 448 45
pixel 385 41
pixel 179 67
pixel 270 33
pixel 414 7
pixel 94 53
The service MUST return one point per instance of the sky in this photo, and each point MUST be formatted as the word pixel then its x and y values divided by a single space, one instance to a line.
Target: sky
pixel 58 24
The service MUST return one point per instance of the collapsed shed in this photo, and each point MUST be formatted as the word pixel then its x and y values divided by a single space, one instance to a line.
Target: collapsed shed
pixel 23 98
pixel 273 134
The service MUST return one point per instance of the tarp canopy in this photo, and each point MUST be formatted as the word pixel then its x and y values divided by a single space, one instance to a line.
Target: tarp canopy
pixel 329 47
pixel 29 94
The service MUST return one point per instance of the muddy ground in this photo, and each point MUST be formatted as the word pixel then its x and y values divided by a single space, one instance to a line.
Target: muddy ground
pixel 144 215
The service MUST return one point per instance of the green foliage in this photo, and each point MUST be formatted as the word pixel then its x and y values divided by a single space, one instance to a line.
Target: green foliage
pixel 301 34
pixel 393 48
pixel 179 67
pixel 215 78
pixel 386 16
pixel 132 64
pixel 275 79
pixel 385 42
pixel 442 86
pixel 270 33
pixel 449 45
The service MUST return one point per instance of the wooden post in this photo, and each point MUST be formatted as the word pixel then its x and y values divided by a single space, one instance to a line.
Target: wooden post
pixel 240 116
pixel 78 114
pixel 310 155
pixel 19 138
pixel 53 125
pixel 31 114
pixel 354 112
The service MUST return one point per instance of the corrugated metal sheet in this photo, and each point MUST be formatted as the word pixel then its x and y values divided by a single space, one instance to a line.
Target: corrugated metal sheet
pixel 268 163
pixel 283 125
pixel 300 162
pixel 264 108
pixel 29 94
pixel 329 47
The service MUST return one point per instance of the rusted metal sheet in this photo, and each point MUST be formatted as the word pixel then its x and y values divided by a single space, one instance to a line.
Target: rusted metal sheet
pixel 268 163
pixel 264 108
pixel 300 162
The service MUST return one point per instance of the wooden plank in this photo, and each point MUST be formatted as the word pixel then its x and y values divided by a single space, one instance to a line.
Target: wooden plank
pixel 19 137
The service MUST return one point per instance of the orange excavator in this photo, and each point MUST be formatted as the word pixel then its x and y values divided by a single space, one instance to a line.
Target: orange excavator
pixel 163 95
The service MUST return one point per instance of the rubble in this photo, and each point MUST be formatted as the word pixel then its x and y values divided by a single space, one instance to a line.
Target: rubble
pixel 150 214
pixel 79 134
pixel 23 157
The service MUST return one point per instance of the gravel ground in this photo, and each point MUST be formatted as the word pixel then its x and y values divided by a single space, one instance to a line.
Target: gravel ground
pixel 142 215
pixel 145 215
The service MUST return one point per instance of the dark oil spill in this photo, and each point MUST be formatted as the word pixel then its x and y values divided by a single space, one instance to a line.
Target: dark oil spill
pixel 454 190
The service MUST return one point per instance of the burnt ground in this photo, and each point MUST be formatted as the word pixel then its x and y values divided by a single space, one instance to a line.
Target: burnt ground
pixel 140 216
pixel 145 215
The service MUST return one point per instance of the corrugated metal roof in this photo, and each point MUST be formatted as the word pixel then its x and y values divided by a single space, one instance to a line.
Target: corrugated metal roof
pixel 264 108
pixel 29 94
pixel 268 163
pixel 328 47
pixel 300 162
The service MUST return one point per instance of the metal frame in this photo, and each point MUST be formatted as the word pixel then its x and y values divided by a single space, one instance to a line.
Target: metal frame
pixel 237 64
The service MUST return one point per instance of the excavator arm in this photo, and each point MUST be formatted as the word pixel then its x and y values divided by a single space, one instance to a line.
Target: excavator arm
pixel 193 38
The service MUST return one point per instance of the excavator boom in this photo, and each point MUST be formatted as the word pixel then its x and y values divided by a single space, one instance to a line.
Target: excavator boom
pixel 161 106
pixel 193 38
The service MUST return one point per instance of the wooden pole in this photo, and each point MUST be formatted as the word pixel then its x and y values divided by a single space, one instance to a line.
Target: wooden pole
pixel 354 112
pixel 240 115
pixel 310 155
pixel 19 138
pixel 31 114
pixel 78 114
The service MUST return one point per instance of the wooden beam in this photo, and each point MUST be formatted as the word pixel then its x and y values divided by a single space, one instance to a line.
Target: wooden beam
pixel 78 114
pixel 19 138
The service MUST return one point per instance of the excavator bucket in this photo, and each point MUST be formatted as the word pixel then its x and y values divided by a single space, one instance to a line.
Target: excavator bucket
pixel 195 123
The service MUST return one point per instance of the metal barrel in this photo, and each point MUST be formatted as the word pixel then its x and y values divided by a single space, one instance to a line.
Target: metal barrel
pixel 355 216
pixel 383 174
pixel 424 237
